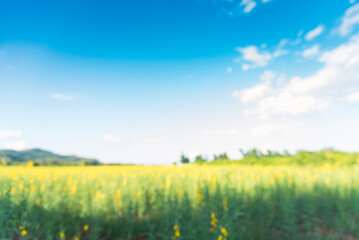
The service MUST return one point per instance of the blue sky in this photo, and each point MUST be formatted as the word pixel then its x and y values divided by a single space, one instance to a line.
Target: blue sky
pixel 144 81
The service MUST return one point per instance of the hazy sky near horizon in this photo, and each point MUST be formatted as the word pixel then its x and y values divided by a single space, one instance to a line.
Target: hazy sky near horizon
pixel 143 81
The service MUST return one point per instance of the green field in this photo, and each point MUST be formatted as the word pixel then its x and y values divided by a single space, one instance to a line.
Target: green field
pixel 188 202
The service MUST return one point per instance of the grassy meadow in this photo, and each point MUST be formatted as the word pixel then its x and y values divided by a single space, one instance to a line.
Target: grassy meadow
pixel 179 202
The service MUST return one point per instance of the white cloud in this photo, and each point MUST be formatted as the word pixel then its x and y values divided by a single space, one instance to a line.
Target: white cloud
pixel 245 67
pixel 314 33
pixel 258 57
pixel 60 96
pixel 288 103
pixel 352 1
pixel 253 94
pixel 112 138
pixel 221 132
pixel 280 52
pixel 354 97
pixel 349 20
pixel 267 76
pixel 249 5
pixel 252 54
pixel 263 129
pixel 18 145
pixel 312 51
pixel 150 140
pixel 10 134
pixel 300 33
pixel 229 69
pixel 313 93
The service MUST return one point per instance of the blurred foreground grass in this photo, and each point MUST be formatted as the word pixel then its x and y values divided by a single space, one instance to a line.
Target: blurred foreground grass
pixel 188 202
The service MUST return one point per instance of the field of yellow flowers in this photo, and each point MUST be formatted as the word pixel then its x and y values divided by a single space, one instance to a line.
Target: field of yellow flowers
pixel 173 202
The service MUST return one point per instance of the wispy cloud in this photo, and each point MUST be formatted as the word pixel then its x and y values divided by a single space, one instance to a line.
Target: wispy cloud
pixel 61 96
pixel 238 7
pixel 10 134
pixel 258 57
pixel 249 95
pixel 349 21
pixel 112 138
pixel 254 55
pixel 353 97
pixel 150 140
pixel 249 5
pixel 314 33
pixel 221 132
pixel 18 145
pixel 310 52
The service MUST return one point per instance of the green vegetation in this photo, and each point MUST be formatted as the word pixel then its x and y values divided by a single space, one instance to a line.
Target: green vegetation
pixel 179 203
pixel 301 158
pixel 309 195
pixel 40 157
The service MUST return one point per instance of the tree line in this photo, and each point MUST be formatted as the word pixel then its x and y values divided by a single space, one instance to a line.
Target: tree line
pixel 251 153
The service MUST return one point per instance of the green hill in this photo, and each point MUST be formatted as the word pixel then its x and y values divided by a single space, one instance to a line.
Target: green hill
pixel 42 157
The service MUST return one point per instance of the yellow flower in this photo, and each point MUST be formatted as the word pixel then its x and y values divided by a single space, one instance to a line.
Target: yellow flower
pixel 277 175
pixel 24 232
pixel 21 227
pixel 75 238
pixel 37 202
pixel 220 237
pixel 73 190
pixel 86 227
pixel 21 185
pixel 224 232
pixel 177 233
pixel 99 195
pixel 213 222
pixel 62 235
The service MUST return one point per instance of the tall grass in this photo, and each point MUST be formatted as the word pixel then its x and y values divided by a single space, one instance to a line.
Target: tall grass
pixel 189 202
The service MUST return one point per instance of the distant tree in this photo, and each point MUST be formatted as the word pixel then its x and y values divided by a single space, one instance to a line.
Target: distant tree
pixel 222 156
pixel 184 159
pixel 200 159
pixel 251 153
pixel 286 153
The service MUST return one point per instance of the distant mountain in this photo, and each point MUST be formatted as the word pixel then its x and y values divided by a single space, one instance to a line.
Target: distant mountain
pixel 42 157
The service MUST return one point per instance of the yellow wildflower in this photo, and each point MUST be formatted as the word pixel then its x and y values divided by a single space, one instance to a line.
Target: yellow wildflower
pixel 177 232
pixel 224 232
pixel 86 227
pixel 62 235
pixel 213 222
pixel 73 190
